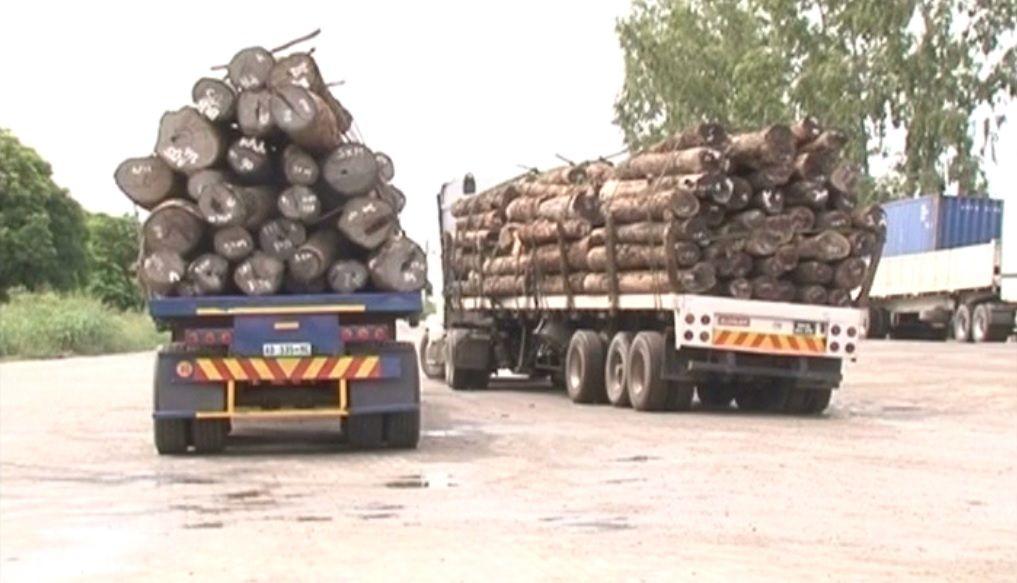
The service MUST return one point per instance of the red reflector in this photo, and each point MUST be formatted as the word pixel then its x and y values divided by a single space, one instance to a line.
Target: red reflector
pixel 363 333
pixel 226 337
pixel 191 337
pixel 210 337
pixel 381 333
pixel 346 334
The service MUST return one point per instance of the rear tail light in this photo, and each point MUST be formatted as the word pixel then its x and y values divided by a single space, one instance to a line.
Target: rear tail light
pixel 208 337
pixel 365 333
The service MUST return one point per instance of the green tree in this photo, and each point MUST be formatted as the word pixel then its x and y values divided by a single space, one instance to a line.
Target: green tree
pixel 112 252
pixel 42 229
pixel 928 69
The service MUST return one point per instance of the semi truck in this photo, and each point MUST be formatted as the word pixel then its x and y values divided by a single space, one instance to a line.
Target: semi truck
pixel 949 270
pixel 649 351
pixel 320 356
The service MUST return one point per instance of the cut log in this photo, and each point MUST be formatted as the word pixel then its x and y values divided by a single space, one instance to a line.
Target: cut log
pixel 771 146
pixel 215 100
pixel 826 246
pixel 691 161
pixel 202 179
pixel 347 276
pixel 812 294
pixel 254 114
pixel 209 273
pixel 771 201
pixel 840 298
pixel 548 258
pixel 507 265
pixel 175 225
pixel 296 70
pixel 871 218
pixel 312 259
pixel 748 220
pixel 490 220
pixel 251 160
pixel 386 168
pixel 188 142
pixel 161 271
pixel 770 177
pixel 581 206
pixel 700 278
pixel 844 178
pixel 299 167
pixel 225 204
pixel 843 202
pixel 520 210
pixel 541 232
pixel 643 256
pixel 693 229
pixel 658 206
pixel 711 135
pixel 504 285
pixel 813 273
pixel 837 220
pixel 741 193
pixel 259 275
pixel 740 288
pixel 544 190
pixel 764 242
pixel 299 203
pixel 250 68
pixel 712 214
pixel 766 288
pixel 399 266
pixel 812 194
pixel 280 238
pixel 306 118
pixel 368 222
pixel 830 142
pixel 233 243
pixel 814 165
pixel 146 181
pixel 391 195
pixel 555 284
pixel 565 175
pixel 863 243
pixel 802 218
pixel 781 262
pixel 806 130
pixel 351 169
pixel 850 273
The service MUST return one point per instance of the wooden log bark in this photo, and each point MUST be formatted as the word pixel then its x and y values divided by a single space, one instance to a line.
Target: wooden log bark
pixel 386 168
pixel 579 206
pixel 785 259
pixel 300 70
pixel 250 68
pixel 254 114
pixel 812 194
pixel 161 271
pixel 812 294
pixel 299 203
pixel 850 273
pixel 391 195
pixel 233 243
pixel 299 167
pixel 691 161
pixel 693 229
pixel 741 193
pixel 740 288
pixel 770 177
pixel 147 181
pixel 543 190
pixel 188 142
pixel 209 273
pixel 863 243
pixel 175 225
pixel 813 166
pixel 764 242
pixel 548 258
pixel 399 265
pixel 806 130
pixel 225 204
pixel 713 215
pixel 351 169
pixel 504 265
pixel 711 135
pixel 280 238
pixel 251 160
pixel 770 201
pixel 555 284
pixel 504 285
pixel 768 147
pixel 843 201
pixel 490 220
pixel 307 119
pixel 494 199
pixel 564 175
pixel 347 276
pixel 729 262
pixel 829 142
pixel 826 246
pixel 698 279
pixel 658 206
pixel 202 179
pixel 837 220
pixel 259 275
pixel 312 259
pixel 215 100
pixel 368 222
pixel 766 288
pixel 748 220
pixel 840 298
pixel 813 273
pixel 541 232
pixel 630 257
pixel 844 178
pixel 802 218
pixel 871 218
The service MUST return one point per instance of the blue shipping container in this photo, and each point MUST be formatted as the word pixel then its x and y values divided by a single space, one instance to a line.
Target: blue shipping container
pixel 931 223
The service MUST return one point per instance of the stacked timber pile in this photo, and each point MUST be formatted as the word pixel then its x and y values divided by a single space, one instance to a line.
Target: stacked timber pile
pixel 262 187
pixel 770 214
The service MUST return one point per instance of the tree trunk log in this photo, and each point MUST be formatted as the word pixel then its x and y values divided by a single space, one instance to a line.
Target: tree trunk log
pixel 312 259
pixel 351 169
pixel 146 181
pixel 292 285
pixel 259 275
pixel 781 262
pixel 225 205
pixel 306 119
pixel 299 203
pixel 740 288
pixel 188 142
pixel 863 243
pixel 541 232
pixel 280 238
pixel 368 222
pixel 802 218
pixel 251 160
pixel 808 193
pixel 629 257
pixel 299 167
pixel 813 273
pixel 836 220
pixel 844 178
pixel 771 201
pixel 806 130
pixel 871 218
pixel 812 294
pixel 386 168
pixel 691 161
pixel 826 246
pixel 741 193
pixel 347 276
pixel 209 274
pixel 250 68
pixel 658 206
pixel 850 273
pixel 505 265
pixel 693 229
pixel 490 220
pixel 391 195
pixel 215 100
pixel 710 135
pixel 840 298
pixel 548 258
pixel 770 177
pixel 161 271
pixel 254 114
pixel 233 243
pixel 202 179
pixel 565 175
pixel 399 265
pixel 771 146
pixel 700 278
pixel 175 225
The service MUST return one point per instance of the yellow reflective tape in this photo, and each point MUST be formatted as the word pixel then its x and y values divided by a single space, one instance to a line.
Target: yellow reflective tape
pixel 286 325
pixel 340 367
pixel 264 373
pixel 350 309
pixel 315 367
pixel 288 365
pixel 209 369
pixel 236 370
pixel 366 366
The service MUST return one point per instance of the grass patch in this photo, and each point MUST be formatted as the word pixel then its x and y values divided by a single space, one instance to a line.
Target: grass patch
pixel 47 325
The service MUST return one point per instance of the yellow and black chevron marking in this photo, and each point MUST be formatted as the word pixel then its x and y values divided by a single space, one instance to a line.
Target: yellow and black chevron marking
pixel 287 369
pixel 762 341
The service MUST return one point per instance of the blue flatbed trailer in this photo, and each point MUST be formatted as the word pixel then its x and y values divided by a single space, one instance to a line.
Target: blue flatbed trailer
pixel 332 356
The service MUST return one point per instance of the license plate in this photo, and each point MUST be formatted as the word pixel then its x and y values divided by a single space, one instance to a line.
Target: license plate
pixel 286 349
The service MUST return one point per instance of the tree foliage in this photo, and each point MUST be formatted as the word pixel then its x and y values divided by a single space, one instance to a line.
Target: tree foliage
pixel 924 70
pixel 42 229
pixel 112 252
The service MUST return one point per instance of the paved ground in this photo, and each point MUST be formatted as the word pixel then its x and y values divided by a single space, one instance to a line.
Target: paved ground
pixel 911 474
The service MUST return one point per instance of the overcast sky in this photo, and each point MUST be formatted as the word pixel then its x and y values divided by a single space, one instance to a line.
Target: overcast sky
pixel 442 87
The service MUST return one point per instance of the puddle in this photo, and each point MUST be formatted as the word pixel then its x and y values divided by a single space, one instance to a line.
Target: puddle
pixel 436 480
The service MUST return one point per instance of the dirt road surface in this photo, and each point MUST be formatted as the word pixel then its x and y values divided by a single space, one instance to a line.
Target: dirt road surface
pixel 911 474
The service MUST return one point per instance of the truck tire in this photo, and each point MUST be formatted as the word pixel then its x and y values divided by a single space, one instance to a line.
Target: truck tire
pixel 817 401
pixel 769 397
pixel 879 323
pixel 648 391
pixel 680 396
pixel 209 435
pixel 432 370
pixel 464 379
pixel 616 370
pixel 982 329
pixel 365 431
pixel 961 323
pixel 171 436
pixel 716 395
pixel 584 368
pixel 402 430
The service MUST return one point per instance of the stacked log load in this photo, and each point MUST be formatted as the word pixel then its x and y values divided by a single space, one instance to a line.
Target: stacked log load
pixel 261 186
pixel 770 214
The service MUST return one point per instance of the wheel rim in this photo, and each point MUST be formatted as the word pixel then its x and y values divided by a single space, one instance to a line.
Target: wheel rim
pixel 960 326
pixel 615 374
pixel 978 329
pixel 576 370
pixel 637 378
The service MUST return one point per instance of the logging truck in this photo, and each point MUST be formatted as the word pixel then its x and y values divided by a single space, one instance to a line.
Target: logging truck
pixel 320 356
pixel 650 351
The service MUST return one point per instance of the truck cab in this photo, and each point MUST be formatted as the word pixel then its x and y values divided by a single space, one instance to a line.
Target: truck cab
pixel 331 356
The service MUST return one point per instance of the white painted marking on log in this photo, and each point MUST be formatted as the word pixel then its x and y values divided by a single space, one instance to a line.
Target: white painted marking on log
pixel 253 144
pixel 141 169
